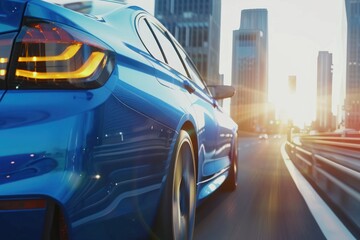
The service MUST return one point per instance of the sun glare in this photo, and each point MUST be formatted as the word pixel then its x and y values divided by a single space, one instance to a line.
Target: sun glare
pixel 294 107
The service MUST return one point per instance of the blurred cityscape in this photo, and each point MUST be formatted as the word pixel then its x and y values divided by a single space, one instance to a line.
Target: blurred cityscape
pixel 196 25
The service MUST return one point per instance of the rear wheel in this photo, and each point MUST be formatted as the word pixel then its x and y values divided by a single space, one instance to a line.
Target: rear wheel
pixel 177 210
pixel 230 183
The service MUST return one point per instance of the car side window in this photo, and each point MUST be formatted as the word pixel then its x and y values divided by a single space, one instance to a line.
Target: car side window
pixel 171 55
pixel 149 40
pixel 194 74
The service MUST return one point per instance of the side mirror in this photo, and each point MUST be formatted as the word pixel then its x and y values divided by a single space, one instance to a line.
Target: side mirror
pixel 221 91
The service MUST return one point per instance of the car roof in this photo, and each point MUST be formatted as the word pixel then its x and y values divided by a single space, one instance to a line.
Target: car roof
pixel 94 7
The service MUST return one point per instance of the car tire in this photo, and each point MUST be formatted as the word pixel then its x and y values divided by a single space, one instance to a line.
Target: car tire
pixel 176 217
pixel 230 183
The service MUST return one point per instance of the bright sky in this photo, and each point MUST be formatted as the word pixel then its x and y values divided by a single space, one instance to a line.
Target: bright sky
pixel 298 30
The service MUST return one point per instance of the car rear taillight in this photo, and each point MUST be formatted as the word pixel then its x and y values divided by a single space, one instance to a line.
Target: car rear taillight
pixel 6 41
pixel 22 204
pixel 51 55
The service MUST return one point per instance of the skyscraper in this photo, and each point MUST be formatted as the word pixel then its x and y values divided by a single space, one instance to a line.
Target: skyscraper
pixel 250 70
pixel 196 25
pixel 352 98
pixel 324 91
pixel 292 84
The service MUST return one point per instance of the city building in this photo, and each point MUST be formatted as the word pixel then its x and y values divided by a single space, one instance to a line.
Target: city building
pixel 352 97
pixel 196 25
pixel 324 116
pixel 250 71
pixel 292 84
pixel 291 100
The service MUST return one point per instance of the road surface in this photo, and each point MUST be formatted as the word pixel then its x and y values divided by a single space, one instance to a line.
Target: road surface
pixel 266 204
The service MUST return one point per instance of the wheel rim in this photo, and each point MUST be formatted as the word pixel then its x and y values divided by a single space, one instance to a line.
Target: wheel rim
pixel 235 172
pixel 236 164
pixel 235 159
pixel 184 188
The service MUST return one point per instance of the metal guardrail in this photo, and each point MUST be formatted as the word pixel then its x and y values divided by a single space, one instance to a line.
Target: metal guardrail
pixel 333 164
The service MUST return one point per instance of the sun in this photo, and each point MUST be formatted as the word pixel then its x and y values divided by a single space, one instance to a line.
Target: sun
pixel 296 107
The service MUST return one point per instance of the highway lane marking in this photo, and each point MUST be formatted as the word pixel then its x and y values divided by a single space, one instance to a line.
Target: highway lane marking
pixel 329 223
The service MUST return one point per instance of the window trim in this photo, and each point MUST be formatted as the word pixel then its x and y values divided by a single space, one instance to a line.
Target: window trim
pixel 174 43
pixel 153 23
pixel 206 89
pixel 157 40
pixel 177 47
pixel 143 17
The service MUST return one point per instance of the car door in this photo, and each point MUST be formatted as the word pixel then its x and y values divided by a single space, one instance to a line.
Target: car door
pixel 200 100
pixel 214 120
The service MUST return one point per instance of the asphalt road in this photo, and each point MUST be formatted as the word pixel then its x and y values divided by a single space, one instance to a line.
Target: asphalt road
pixel 266 204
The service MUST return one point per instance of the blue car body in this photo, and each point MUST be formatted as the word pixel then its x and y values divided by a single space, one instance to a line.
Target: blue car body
pixel 98 157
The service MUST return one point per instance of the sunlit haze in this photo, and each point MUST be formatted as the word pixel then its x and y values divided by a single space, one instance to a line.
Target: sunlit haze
pixel 298 30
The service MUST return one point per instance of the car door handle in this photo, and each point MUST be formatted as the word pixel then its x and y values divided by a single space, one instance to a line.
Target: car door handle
pixel 188 87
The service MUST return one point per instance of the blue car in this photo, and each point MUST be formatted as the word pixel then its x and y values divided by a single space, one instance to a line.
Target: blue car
pixel 107 130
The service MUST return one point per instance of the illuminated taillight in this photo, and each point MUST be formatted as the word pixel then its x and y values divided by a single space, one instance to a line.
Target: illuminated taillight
pixel 6 41
pixel 51 55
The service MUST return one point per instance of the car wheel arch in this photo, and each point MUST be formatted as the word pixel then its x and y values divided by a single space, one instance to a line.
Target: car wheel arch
pixel 186 135
pixel 191 130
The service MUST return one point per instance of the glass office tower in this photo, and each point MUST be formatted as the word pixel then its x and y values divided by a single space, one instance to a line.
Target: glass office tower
pixel 352 98
pixel 196 25
pixel 324 92
pixel 250 71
